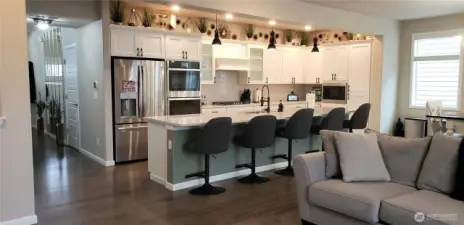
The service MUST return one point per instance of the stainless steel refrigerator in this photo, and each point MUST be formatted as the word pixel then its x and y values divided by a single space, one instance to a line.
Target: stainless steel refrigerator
pixel 138 92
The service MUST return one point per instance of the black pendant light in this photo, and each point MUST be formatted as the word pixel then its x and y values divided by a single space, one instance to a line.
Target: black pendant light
pixel 315 48
pixel 216 40
pixel 272 41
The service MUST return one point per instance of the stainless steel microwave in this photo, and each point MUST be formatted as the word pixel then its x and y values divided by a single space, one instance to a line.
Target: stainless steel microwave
pixel 335 92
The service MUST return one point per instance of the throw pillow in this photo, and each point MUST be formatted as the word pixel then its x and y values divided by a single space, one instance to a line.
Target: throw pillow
pixel 360 157
pixel 332 164
pixel 458 191
pixel 437 173
pixel 403 157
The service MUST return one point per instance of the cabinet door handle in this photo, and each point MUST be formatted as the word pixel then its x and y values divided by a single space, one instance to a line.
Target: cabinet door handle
pixel 183 55
pixel 214 79
pixel 248 79
pixel 141 51
pixel 335 76
pixel 138 51
pixel 266 80
pixel 186 55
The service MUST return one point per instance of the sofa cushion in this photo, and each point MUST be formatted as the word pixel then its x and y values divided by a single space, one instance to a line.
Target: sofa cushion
pixel 402 209
pixel 332 163
pixel 403 157
pixel 360 157
pixel 440 164
pixel 360 200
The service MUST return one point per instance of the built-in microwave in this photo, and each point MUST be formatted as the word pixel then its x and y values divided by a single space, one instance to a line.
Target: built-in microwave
pixel 335 92
pixel 183 79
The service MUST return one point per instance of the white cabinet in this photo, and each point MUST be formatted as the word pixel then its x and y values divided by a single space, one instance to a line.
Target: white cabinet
pixel 255 73
pixel 312 67
pixel 292 71
pixel 214 110
pixel 294 106
pixel 240 109
pixel 359 74
pixel 207 64
pixel 272 66
pixel 335 63
pixel 132 43
pixel 182 48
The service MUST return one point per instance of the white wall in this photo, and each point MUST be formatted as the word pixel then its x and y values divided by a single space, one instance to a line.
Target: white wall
pixel 408 28
pixel 298 12
pixel 92 100
pixel 16 168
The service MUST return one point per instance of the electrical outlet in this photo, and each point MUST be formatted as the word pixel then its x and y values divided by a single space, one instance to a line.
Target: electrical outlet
pixel 169 145
pixel 98 141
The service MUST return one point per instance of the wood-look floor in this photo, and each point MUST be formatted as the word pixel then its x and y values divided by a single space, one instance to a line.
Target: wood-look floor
pixel 71 189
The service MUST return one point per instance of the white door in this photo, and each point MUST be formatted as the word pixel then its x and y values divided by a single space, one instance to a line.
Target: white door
pixel 329 63
pixel 123 42
pixel 272 66
pixel 174 48
pixel 71 96
pixel 359 75
pixel 151 45
pixel 342 63
pixel 192 48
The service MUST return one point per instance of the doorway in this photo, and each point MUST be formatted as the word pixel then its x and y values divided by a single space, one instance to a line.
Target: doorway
pixel 71 96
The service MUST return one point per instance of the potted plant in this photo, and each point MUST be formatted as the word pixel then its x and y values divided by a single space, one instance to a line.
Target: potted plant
pixel 117 12
pixel 147 18
pixel 40 104
pixel 288 34
pixel 202 25
pixel 249 31
pixel 58 117
pixel 303 39
pixel 51 109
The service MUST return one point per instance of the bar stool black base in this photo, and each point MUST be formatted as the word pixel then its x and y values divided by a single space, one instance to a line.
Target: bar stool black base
pixel 253 179
pixel 207 189
pixel 285 172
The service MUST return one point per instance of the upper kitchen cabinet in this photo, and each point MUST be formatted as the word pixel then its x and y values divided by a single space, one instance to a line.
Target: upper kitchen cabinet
pixel 207 64
pixel 312 67
pixel 359 74
pixel 133 43
pixel 183 48
pixel 335 63
pixel 292 72
pixel 256 55
pixel 272 66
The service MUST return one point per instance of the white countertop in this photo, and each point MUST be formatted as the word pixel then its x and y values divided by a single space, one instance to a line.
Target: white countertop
pixel 195 120
pixel 251 104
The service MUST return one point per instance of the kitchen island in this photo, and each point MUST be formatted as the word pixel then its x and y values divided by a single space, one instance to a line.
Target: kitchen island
pixel 169 161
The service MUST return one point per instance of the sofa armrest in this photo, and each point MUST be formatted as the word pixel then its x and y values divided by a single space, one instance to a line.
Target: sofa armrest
pixel 308 169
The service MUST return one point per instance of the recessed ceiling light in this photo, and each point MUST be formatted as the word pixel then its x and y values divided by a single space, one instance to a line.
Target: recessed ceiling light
pixel 307 27
pixel 175 8
pixel 272 22
pixel 229 16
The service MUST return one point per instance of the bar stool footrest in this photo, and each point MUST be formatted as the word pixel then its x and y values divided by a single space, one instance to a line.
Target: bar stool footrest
pixel 314 150
pixel 239 166
pixel 280 157
pixel 197 174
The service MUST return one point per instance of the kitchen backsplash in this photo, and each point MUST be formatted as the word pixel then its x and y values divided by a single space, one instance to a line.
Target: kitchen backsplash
pixel 228 88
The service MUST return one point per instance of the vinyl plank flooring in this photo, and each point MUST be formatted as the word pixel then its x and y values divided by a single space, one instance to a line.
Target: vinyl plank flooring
pixel 71 189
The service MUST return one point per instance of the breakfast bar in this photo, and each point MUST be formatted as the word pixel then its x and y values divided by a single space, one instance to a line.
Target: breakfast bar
pixel 169 160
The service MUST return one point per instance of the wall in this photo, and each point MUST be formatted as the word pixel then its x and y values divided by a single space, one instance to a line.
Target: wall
pixel 227 88
pixel 298 12
pixel 16 167
pixel 408 28
pixel 92 100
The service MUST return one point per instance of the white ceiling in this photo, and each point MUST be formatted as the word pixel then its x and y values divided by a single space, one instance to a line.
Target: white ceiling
pixel 396 9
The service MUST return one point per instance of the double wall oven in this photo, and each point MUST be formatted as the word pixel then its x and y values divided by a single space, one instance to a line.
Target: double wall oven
pixel 183 87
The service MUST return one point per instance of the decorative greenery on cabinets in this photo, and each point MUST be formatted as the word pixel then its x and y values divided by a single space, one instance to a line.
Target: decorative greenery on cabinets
pixel 117 12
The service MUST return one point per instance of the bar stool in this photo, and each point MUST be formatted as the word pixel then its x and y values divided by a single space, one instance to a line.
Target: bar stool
pixel 214 138
pixel 258 133
pixel 296 128
pixel 332 121
pixel 359 118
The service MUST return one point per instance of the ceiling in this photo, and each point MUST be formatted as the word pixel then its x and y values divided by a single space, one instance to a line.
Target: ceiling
pixel 396 9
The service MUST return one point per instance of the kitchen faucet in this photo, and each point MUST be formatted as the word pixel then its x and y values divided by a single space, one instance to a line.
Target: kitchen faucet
pixel 268 99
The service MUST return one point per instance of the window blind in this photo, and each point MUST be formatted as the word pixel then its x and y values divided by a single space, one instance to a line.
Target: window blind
pixel 436 71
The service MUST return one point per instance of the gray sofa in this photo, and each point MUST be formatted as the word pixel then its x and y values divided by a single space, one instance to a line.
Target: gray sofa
pixel 328 200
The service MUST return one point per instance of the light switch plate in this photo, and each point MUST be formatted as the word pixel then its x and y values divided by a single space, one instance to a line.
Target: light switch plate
pixel 95 95
pixel 169 145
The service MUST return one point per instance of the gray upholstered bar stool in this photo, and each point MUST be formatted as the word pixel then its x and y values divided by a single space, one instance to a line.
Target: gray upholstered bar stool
pixel 332 121
pixel 297 127
pixel 258 133
pixel 214 138
pixel 359 118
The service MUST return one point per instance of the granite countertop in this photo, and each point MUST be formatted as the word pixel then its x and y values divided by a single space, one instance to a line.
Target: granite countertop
pixel 196 120
pixel 251 104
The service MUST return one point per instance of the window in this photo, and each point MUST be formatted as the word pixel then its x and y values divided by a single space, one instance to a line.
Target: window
pixel 436 69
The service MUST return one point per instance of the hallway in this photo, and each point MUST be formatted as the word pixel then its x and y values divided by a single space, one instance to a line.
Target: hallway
pixel 71 189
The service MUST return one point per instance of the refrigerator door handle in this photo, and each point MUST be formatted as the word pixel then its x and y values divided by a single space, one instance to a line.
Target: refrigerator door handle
pixel 142 94
pixel 138 91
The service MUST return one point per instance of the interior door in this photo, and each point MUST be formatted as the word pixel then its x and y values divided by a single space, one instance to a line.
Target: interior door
pixel 71 96
pixel 152 45
pixel 174 48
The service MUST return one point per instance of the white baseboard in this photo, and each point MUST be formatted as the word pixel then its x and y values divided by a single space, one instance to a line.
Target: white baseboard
pixel 28 220
pixel 96 158
pixel 224 176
